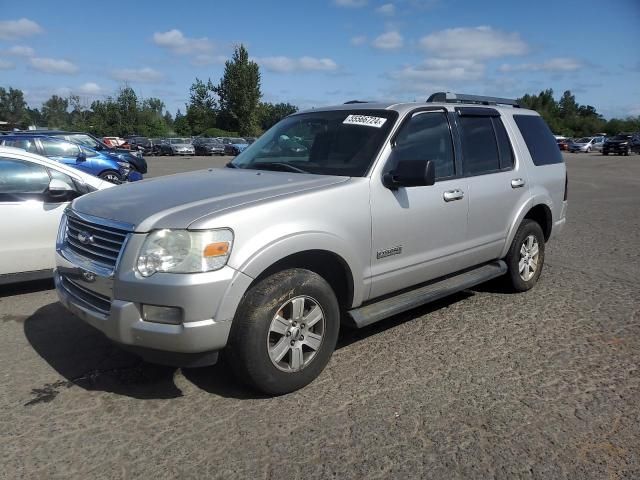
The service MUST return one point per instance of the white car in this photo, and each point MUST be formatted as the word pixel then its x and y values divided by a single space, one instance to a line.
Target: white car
pixel 34 192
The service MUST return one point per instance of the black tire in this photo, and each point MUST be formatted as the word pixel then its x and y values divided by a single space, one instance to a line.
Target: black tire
pixel 248 348
pixel 111 176
pixel 513 280
pixel 605 153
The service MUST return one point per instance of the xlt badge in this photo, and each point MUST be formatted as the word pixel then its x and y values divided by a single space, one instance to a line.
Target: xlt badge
pixel 387 252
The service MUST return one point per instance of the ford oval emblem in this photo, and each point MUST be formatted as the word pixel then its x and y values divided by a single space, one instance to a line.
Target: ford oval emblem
pixel 85 238
pixel 88 276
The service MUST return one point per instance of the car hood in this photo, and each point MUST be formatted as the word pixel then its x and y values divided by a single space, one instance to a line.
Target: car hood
pixel 617 141
pixel 176 201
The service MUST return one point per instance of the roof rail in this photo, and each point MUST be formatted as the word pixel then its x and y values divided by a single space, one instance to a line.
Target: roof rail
pixel 449 97
pixel 356 101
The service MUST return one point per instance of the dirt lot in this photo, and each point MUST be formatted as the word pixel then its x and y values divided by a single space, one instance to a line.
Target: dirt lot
pixel 483 385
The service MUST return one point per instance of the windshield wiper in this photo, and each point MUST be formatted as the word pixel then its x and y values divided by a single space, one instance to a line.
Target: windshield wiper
pixel 278 167
pixel 231 165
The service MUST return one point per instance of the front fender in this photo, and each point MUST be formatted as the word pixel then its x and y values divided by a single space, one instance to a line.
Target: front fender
pixel 279 248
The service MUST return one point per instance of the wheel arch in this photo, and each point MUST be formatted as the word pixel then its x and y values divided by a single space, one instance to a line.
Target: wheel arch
pixel 329 265
pixel 539 211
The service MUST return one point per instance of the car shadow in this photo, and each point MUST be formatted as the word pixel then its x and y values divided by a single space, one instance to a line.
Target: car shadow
pixel 87 359
pixel 22 288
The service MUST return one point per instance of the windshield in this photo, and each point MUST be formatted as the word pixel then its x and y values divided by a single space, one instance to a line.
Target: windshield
pixel 84 139
pixel 237 141
pixel 621 137
pixel 174 141
pixel 584 140
pixel 340 142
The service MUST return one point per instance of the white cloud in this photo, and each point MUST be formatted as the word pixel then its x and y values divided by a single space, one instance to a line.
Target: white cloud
pixel 350 3
pixel 388 41
pixel 21 51
pixel 442 70
pixel 474 43
pixel 553 65
pixel 90 88
pixel 12 29
pixel 303 64
pixel 53 65
pixel 359 40
pixel 175 41
pixel 137 75
pixel 387 9
pixel 6 65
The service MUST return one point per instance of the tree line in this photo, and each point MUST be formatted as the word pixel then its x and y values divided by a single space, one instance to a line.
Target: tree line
pixel 233 106
pixel 567 117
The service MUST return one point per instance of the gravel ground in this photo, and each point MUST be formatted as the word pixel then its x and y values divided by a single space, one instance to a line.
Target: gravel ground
pixel 486 384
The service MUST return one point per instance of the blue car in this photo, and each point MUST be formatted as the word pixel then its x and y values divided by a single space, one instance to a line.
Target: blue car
pixel 104 165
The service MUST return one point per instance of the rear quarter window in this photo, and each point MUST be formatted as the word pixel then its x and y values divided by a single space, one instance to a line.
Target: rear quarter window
pixel 539 139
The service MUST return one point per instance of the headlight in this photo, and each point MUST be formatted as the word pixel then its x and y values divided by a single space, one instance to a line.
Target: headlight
pixel 124 165
pixel 183 251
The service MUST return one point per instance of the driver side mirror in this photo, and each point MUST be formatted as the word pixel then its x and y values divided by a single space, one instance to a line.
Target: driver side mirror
pixel 82 157
pixel 410 173
pixel 58 188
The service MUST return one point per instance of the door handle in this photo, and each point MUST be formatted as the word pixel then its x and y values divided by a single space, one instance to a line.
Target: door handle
pixel 451 195
pixel 517 183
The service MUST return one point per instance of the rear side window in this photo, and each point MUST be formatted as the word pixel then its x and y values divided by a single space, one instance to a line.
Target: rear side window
pixel 539 139
pixel 479 147
pixel 504 145
pixel 23 143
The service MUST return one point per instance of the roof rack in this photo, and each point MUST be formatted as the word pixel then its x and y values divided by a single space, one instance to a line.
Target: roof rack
pixel 449 97
pixel 356 101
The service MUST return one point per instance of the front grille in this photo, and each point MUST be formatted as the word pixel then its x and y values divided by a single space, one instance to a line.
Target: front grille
pixel 85 297
pixel 98 242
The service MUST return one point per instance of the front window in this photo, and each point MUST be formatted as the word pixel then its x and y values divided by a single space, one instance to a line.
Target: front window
pixel 86 140
pixel 56 148
pixel 340 142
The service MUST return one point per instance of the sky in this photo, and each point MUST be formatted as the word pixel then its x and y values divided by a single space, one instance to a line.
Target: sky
pixel 321 52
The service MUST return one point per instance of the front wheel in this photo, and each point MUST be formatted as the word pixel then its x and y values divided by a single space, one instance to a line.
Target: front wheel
pixel 284 331
pixel 525 258
pixel 111 176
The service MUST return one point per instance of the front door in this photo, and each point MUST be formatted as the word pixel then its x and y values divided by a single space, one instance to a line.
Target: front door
pixel 28 219
pixel 418 232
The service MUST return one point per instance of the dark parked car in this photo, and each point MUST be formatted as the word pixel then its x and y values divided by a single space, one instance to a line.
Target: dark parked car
pixel 208 146
pixel 101 164
pixel 564 144
pixel 141 144
pixel 234 145
pixel 622 144
pixel 136 159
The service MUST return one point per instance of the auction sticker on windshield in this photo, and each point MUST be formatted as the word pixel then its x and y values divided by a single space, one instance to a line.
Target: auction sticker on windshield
pixel 365 120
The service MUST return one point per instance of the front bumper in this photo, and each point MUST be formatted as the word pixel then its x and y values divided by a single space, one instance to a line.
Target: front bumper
pixel 113 303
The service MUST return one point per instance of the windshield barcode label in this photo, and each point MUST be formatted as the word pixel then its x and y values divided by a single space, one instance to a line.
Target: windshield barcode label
pixel 376 122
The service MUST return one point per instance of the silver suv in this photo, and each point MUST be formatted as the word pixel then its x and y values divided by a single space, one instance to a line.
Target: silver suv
pixel 340 215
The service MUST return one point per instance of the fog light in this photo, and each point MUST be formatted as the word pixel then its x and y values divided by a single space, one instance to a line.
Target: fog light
pixel 155 313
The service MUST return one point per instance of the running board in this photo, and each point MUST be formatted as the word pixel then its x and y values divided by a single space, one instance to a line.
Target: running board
pixel 374 312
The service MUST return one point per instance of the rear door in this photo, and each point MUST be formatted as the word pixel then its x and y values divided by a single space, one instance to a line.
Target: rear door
pixel 496 180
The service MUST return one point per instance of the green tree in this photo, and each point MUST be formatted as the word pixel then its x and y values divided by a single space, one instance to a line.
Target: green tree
pixel 127 102
pixel 202 107
pixel 55 112
pixel 13 107
pixel 181 125
pixel 269 114
pixel 239 94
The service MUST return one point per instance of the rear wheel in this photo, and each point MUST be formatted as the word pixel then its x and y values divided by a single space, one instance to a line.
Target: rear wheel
pixel 525 258
pixel 111 176
pixel 284 332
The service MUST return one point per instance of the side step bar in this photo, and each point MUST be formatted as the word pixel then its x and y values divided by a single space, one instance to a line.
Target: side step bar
pixel 374 312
